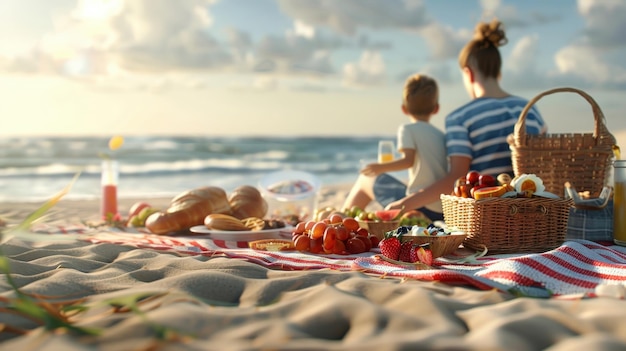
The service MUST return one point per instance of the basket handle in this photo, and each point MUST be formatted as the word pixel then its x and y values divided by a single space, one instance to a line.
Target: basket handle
pixel 600 131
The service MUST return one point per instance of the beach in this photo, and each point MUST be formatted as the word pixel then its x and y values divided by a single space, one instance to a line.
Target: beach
pixel 227 302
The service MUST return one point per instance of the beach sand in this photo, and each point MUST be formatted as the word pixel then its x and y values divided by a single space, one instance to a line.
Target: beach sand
pixel 195 302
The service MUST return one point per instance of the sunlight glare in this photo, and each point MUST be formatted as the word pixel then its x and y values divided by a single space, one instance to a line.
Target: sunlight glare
pixel 98 9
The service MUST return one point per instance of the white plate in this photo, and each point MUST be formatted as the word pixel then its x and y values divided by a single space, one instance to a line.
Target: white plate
pixel 247 235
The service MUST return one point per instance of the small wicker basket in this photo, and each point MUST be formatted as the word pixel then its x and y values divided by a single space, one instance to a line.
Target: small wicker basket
pixel 379 228
pixel 440 245
pixel 584 160
pixel 508 225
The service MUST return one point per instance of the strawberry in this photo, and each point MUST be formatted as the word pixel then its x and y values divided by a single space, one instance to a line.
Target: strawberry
pixel 413 256
pixel 390 247
pixel 405 251
pixel 425 256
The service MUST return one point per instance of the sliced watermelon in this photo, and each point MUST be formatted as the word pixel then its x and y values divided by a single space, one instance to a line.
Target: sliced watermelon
pixel 387 215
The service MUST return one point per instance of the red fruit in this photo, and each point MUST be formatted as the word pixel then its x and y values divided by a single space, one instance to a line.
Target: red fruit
pixel 362 232
pixel 342 233
pixel 390 247
pixel 405 251
pixel 472 177
pixel 351 224
pixel 413 256
pixel 387 215
pixel 479 186
pixel 355 246
pixel 315 246
pixel 366 241
pixel 487 180
pixel 136 208
pixel 425 256
pixel 302 243
pixel 374 240
pixel 340 248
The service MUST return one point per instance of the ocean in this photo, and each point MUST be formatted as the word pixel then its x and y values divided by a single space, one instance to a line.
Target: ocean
pixel 35 168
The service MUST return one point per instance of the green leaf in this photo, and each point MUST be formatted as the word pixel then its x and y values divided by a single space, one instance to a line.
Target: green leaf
pixel 38 213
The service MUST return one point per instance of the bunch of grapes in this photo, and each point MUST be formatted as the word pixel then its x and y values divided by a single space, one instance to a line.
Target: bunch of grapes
pixel 333 235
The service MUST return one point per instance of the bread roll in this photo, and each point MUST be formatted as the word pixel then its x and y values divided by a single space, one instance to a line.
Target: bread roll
pixel 189 209
pixel 246 201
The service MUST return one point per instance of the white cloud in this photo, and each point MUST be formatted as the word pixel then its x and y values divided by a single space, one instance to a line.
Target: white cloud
pixel 369 70
pixel 596 57
pixel 303 29
pixel 511 17
pixel 347 16
pixel 444 42
pixel 605 25
pixel 524 55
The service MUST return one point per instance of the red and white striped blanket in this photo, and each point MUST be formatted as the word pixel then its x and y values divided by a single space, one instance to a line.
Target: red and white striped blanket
pixel 578 268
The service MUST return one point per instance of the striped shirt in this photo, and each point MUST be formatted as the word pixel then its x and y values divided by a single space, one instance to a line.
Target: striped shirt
pixel 480 128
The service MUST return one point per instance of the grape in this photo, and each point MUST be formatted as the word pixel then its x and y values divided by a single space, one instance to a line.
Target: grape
pixel 342 233
pixel 366 242
pixel 335 218
pixel 330 237
pixel 355 246
pixel 302 243
pixel 316 246
pixel 374 240
pixel 340 248
pixel 309 224
pixel 317 231
pixel 351 224
pixel 299 228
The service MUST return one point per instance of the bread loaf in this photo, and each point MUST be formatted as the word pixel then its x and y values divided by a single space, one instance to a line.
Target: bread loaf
pixel 189 209
pixel 246 201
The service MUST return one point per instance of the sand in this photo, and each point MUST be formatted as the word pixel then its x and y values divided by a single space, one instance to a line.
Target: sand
pixel 196 302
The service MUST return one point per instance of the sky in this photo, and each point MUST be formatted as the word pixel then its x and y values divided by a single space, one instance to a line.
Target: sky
pixel 290 67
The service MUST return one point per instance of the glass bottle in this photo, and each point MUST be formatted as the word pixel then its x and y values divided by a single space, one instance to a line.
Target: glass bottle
pixel 619 202
pixel 110 176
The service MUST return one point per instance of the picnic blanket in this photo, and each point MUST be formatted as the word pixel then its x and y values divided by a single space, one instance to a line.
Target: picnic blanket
pixel 576 269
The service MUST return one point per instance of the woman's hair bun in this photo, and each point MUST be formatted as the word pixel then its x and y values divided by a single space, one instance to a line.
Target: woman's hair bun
pixel 491 33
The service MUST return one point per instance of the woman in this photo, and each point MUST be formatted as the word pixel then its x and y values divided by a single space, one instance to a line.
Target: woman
pixel 476 133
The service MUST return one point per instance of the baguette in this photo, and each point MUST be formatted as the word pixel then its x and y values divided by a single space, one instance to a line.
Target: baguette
pixel 189 209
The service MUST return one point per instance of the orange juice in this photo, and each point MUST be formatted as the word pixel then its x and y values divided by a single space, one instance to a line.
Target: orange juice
pixel 619 203
pixel 385 151
pixel 382 158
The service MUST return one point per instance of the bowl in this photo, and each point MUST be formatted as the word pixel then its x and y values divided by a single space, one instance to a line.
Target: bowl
pixel 379 228
pixel 440 245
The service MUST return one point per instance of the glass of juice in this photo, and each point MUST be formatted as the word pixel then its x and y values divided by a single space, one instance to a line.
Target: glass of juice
pixel 619 202
pixel 386 149
pixel 110 175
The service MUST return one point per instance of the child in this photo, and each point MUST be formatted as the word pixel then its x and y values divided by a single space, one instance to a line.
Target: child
pixel 476 133
pixel 423 151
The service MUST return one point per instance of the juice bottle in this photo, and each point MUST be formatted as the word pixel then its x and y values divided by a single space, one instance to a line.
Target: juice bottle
pixel 619 202
pixel 109 181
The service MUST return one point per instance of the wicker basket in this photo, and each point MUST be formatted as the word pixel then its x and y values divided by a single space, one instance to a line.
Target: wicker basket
pixel 508 225
pixel 379 228
pixel 582 159
pixel 440 245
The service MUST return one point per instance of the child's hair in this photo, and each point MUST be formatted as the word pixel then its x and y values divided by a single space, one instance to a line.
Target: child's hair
pixel 482 51
pixel 421 95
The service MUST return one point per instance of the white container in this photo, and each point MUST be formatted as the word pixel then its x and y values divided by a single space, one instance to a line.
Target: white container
pixel 290 193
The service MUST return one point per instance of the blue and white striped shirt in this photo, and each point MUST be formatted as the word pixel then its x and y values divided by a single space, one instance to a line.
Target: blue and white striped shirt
pixel 480 128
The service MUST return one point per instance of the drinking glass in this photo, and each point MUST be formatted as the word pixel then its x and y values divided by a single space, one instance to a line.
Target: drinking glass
pixel 386 149
pixel 110 175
